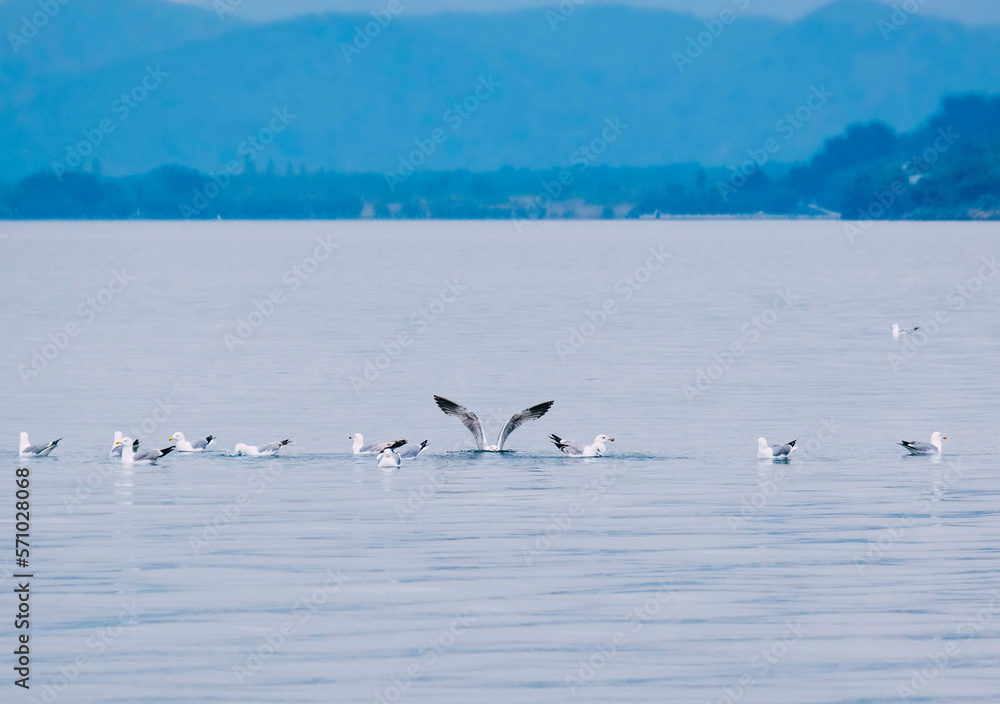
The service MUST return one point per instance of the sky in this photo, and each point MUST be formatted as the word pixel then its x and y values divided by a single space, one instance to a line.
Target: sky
pixel 968 11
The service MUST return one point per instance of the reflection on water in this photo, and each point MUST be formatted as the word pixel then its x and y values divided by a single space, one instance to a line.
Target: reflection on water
pixel 677 568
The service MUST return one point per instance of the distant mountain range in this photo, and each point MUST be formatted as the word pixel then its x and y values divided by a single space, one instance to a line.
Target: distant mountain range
pixel 125 86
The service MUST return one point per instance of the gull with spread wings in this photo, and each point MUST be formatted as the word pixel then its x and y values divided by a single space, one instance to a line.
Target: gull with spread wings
pixel 470 421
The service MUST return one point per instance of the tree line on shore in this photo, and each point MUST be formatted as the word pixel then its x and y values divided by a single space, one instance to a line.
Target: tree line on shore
pixel 948 168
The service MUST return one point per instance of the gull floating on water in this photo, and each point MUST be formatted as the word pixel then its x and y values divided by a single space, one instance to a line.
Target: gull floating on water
pixel 470 421
pixel 897 333
pixel 28 450
pixel 411 451
pixel 116 449
pixel 388 459
pixel 199 445
pixel 575 449
pixel 361 449
pixel 774 452
pixel 265 451
pixel 923 448
pixel 129 456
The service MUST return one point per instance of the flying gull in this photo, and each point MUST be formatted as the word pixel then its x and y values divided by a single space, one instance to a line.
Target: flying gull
pixel 774 452
pixel 29 450
pixel 470 421
pixel 575 449
pixel 923 448
pixel 897 333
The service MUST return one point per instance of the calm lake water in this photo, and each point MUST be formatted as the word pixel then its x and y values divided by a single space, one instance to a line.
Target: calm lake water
pixel 678 568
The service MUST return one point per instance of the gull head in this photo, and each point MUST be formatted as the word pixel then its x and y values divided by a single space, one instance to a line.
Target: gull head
pixel 601 439
pixel 936 439
pixel 177 437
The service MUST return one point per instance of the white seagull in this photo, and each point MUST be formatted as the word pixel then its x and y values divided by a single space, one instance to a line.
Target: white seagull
pixel 923 448
pixel 361 449
pixel 897 333
pixel 774 452
pixel 116 449
pixel 28 450
pixel 129 456
pixel 199 445
pixel 411 451
pixel 388 459
pixel 470 421
pixel 242 450
pixel 575 449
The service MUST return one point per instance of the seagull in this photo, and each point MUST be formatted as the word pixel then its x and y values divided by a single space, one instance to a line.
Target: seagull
pixel 361 449
pixel 116 449
pixel 388 459
pixel 922 448
pixel 148 457
pixel 575 449
pixel 410 451
pixel 199 445
pixel 29 450
pixel 470 421
pixel 265 451
pixel 774 452
pixel 897 333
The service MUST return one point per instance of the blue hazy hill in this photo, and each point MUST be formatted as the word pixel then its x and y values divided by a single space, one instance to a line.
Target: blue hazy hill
pixel 552 90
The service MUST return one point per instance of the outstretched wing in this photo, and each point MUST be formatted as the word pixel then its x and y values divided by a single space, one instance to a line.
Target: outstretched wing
pixel 517 420
pixel 468 418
